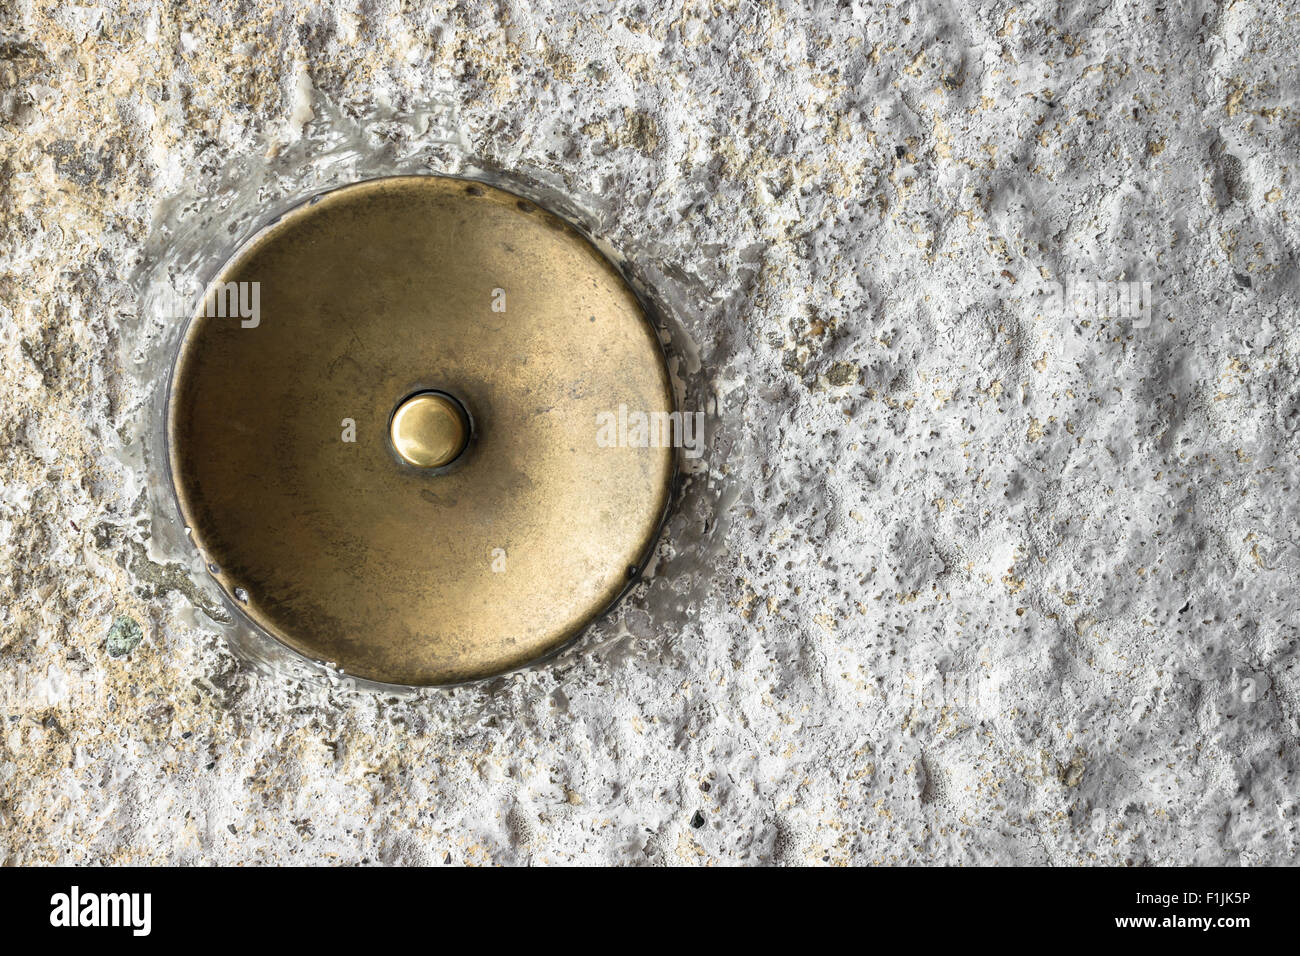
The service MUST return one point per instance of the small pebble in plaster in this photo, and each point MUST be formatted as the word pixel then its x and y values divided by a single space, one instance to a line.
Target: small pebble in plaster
pixel 123 637
pixel 302 112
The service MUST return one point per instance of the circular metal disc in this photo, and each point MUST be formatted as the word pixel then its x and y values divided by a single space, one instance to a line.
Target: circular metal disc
pixel 281 433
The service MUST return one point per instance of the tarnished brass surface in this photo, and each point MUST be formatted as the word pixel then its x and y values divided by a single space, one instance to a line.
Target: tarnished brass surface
pixel 346 550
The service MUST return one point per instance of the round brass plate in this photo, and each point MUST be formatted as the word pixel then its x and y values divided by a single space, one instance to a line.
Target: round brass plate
pixel 401 562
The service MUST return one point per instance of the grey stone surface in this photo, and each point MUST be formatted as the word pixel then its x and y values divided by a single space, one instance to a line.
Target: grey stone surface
pixel 986 582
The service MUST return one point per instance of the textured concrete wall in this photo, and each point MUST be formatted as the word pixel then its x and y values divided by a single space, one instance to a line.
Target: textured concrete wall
pixel 990 579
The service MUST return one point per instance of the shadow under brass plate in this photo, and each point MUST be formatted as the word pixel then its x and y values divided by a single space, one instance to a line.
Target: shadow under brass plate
pixel 393 466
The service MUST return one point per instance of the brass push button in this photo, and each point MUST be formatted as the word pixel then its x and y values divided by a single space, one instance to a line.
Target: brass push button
pixel 429 430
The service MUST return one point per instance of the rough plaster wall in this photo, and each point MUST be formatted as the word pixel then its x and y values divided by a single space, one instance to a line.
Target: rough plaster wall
pixel 994 585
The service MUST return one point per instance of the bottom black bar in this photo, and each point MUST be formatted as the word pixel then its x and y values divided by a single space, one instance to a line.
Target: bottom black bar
pixel 302 905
